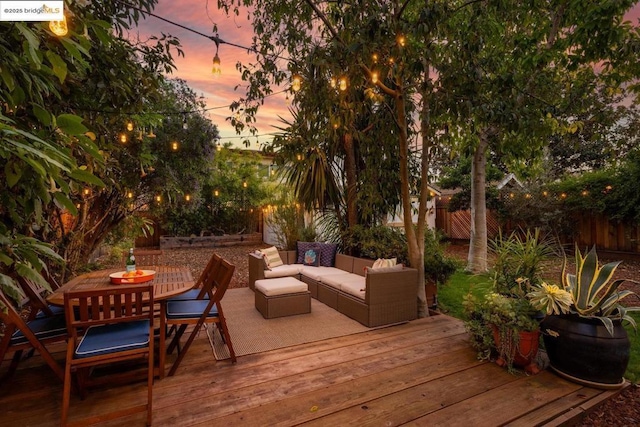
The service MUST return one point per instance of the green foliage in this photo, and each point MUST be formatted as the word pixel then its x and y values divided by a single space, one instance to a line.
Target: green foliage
pixel 460 283
pixel 518 260
pixel 633 369
pixel 377 242
pixel 437 266
pixel 286 221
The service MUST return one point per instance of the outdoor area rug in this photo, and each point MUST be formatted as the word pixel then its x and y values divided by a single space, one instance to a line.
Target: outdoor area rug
pixel 251 333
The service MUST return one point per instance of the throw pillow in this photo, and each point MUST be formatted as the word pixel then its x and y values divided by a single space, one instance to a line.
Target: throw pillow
pixel 382 263
pixel 369 270
pixel 312 257
pixel 271 257
pixel 303 247
pixel 327 254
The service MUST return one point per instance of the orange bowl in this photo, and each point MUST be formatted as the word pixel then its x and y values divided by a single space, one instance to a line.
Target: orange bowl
pixel 121 277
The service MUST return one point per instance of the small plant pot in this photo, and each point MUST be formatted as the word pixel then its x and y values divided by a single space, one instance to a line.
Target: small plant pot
pixel 522 352
pixel 582 350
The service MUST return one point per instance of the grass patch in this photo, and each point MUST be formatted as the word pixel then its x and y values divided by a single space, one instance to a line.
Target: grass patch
pixel 450 297
pixel 450 294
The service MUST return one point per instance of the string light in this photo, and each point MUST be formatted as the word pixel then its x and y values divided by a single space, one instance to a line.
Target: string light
pixel 332 82
pixel 401 40
pixel 187 197
pixel 174 146
pixel 129 126
pixel 158 198
pixel 59 28
pixel 296 83
pixel 216 70
pixel 374 58
pixel 374 77
pixel 123 138
pixel 244 184
pixel 343 83
pixel 216 193
pixel 130 195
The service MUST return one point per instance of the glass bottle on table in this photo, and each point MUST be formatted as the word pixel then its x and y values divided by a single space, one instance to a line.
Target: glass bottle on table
pixel 131 262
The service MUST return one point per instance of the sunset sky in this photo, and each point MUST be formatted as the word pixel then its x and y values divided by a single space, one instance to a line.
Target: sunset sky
pixel 195 66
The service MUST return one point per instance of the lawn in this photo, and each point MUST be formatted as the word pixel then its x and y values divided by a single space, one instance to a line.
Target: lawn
pixel 450 302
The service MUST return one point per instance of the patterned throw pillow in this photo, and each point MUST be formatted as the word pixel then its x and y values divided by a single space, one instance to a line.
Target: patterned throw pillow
pixel 271 257
pixel 312 257
pixel 303 247
pixel 328 254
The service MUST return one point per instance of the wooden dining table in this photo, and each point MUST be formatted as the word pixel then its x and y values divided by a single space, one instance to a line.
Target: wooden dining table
pixel 167 282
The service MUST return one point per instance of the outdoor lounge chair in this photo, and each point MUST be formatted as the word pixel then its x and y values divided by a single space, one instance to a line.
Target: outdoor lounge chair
pixel 199 311
pixel 20 335
pixel 107 326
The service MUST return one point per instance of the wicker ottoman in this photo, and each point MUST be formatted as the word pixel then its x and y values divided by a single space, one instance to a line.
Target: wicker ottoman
pixel 283 296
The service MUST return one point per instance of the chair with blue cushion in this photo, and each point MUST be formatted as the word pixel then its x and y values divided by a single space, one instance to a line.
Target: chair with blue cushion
pixel 199 290
pixel 36 294
pixel 20 335
pixel 104 327
pixel 199 311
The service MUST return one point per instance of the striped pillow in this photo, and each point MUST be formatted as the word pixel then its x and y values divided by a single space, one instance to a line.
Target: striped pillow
pixel 271 257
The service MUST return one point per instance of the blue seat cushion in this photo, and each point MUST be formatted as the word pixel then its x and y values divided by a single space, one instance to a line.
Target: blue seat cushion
pixel 55 309
pixel 42 328
pixel 189 295
pixel 114 338
pixel 191 309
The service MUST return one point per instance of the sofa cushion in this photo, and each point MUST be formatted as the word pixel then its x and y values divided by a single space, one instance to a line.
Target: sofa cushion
pixel 283 271
pixel 271 257
pixel 354 289
pixel 317 273
pixel 339 280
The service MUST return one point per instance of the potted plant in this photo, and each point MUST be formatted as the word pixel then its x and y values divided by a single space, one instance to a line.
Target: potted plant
pixel 583 329
pixel 501 319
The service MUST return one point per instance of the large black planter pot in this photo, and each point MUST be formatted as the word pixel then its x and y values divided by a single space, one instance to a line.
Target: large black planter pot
pixel 583 351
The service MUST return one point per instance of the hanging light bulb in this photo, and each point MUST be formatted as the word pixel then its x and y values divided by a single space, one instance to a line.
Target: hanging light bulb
pixel 374 77
pixel 139 137
pixel 218 146
pixel 123 138
pixel 174 146
pixel 158 198
pixel 402 41
pixel 244 184
pixel 374 58
pixel 216 193
pixel 187 197
pixel 129 126
pixel 295 83
pixel 343 83
pixel 185 125
pixel 216 70
pixel 332 82
pixel 59 28
pixel 130 195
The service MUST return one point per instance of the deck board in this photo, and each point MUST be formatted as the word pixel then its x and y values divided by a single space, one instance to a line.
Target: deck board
pixel 419 373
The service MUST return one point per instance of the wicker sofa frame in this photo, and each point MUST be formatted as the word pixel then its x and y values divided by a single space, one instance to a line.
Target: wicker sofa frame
pixel 390 296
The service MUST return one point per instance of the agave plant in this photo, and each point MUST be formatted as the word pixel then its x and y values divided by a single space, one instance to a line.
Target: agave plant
pixel 593 292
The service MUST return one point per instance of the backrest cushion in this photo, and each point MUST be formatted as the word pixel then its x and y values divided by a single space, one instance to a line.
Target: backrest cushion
pixel 328 254
pixel 371 270
pixel 271 257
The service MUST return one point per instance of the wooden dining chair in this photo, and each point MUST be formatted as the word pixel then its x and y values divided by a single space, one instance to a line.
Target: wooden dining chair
pixel 199 311
pixel 145 257
pixel 36 295
pixel 20 335
pixel 107 326
pixel 199 290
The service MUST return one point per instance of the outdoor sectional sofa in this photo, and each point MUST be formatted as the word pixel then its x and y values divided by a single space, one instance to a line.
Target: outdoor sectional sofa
pixel 373 297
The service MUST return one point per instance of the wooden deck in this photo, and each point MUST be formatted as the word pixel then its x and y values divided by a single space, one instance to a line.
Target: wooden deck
pixel 420 373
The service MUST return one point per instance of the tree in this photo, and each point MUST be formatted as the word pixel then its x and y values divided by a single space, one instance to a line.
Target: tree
pixel 512 72
pixel 48 156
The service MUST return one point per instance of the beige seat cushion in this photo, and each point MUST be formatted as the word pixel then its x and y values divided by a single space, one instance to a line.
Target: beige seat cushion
pixel 317 273
pixel 284 270
pixel 280 286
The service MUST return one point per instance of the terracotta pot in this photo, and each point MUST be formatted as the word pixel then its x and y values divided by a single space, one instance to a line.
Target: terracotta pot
pixel 523 353
pixel 583 351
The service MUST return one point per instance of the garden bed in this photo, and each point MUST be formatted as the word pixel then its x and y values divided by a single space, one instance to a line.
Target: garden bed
pixel 170 242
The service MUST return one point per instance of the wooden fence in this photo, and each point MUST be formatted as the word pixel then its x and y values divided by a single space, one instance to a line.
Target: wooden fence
pixel 614 237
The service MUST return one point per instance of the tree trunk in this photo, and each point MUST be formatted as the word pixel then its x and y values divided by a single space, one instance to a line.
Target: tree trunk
pixel 415 237
pixel 477 260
